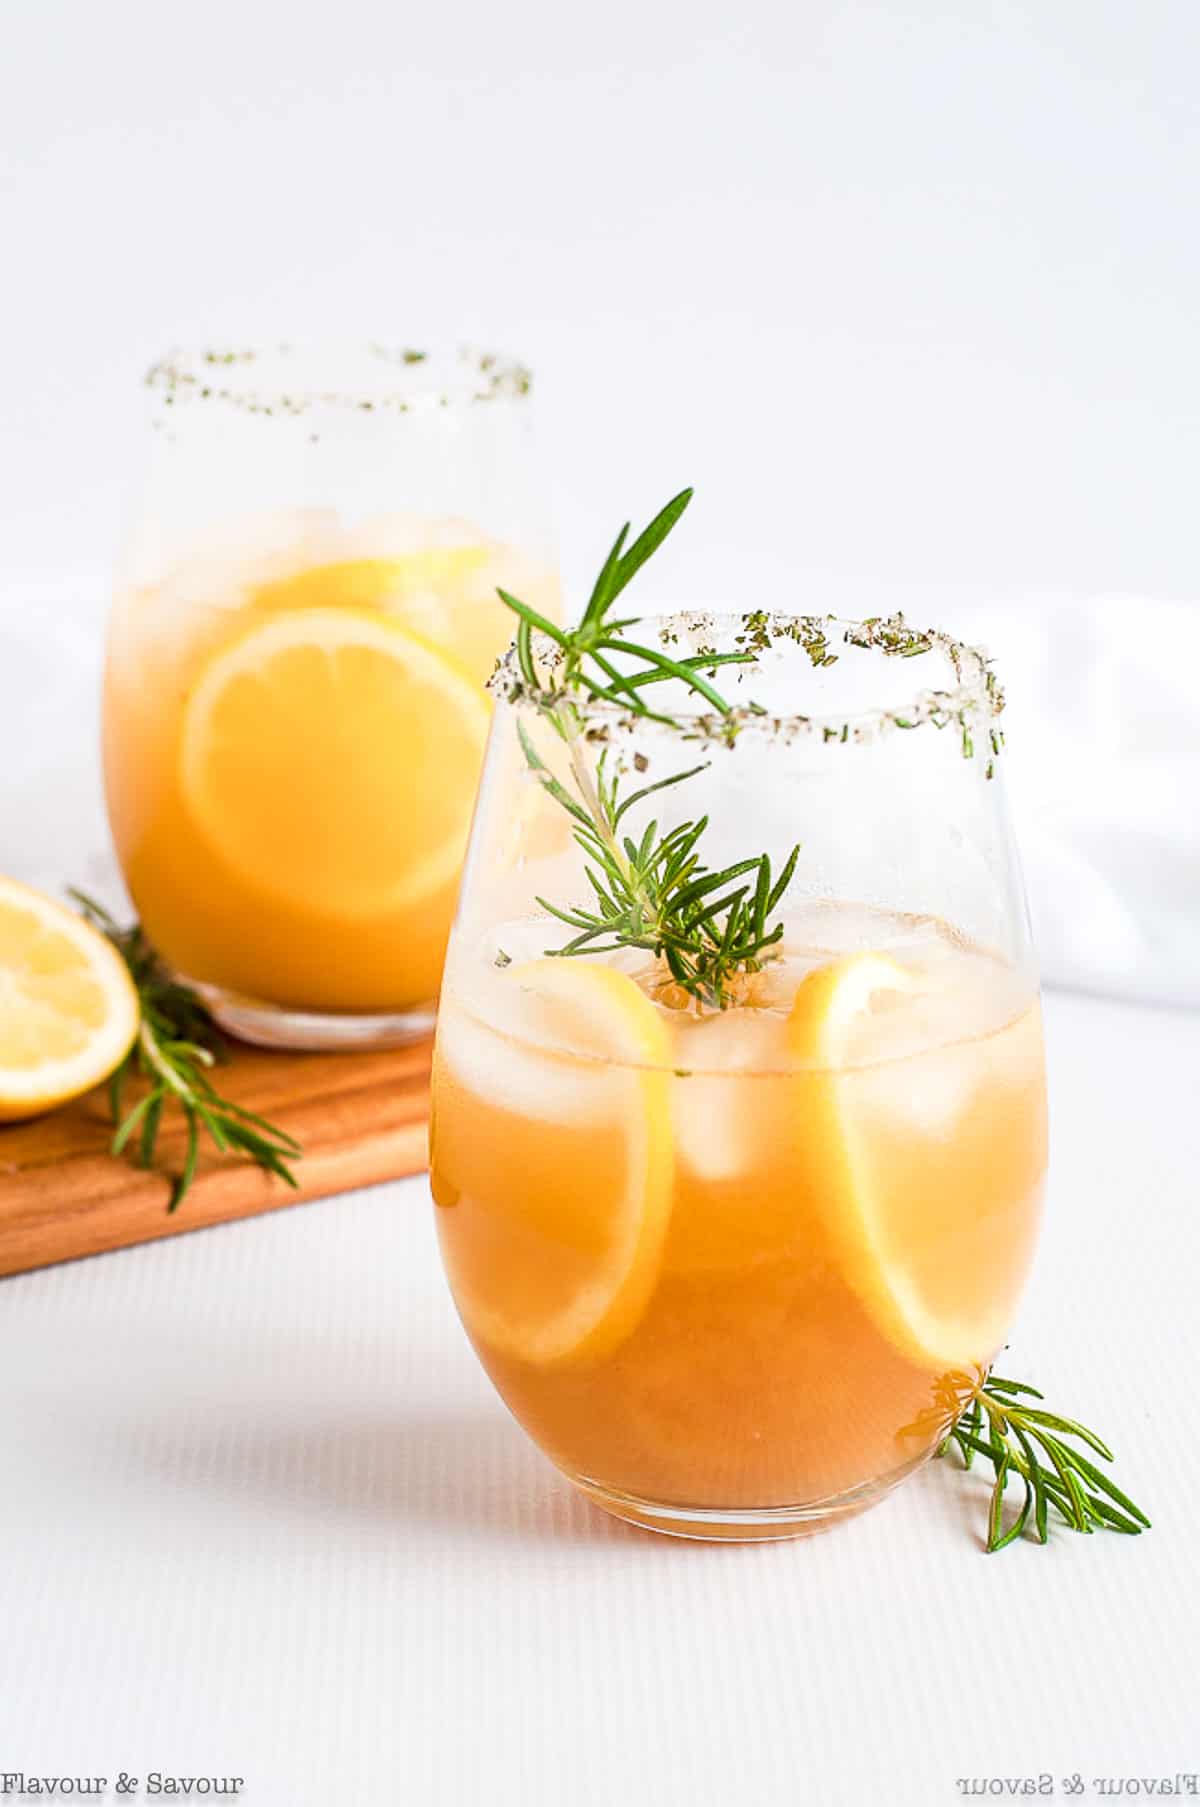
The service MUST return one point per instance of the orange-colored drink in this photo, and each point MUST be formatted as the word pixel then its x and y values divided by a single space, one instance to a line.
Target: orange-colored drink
pixel 749 1260
pixel 291 752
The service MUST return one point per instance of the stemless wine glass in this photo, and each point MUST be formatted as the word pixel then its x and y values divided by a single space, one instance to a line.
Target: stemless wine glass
pixel 736 1269
pixel 294 716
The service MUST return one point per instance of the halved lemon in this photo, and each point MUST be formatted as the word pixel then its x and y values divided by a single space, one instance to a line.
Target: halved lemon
pixel 332 755
pixel 556 1234
pixel 896 1186
pixel 68 1009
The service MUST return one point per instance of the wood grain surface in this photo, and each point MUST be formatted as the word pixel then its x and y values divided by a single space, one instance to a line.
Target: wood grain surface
pixel 358 1117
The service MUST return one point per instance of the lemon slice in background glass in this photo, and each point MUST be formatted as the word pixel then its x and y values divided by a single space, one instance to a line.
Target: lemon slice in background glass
pixel 331 754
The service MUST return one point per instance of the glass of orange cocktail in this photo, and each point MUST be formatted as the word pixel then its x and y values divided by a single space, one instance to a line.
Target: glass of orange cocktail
pixel 294 715
pixel 736 1254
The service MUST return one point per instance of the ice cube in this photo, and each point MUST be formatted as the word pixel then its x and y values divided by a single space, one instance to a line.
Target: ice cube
pixel 926 1092
pixel 716 1093
pixel 230 558
pixel 515 1074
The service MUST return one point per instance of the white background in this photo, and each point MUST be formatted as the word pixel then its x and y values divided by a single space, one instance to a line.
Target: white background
pixel 910 293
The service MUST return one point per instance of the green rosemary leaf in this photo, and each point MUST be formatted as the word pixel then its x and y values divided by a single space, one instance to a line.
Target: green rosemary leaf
pixel 648 542
pixel 131 1122
pixel 711 881
pixel 603 592
pixel 729 903
pixel 1107 1485
pixel 584 944
pixel 785 878
pixel 997 1385
pixel 150 1123
pixel 648 790
pixel 762 894
pixel 278 1138
pixel 213 1125
pixel 1118 1521
pixel 1069 1426
pixel 733 925
pixel 607 906
pixel 691 662
pixel 179 1189
pixel 974 1423
pixel 687 674
pixel 574 919
pixel 996 1509
pixel 525 653
pixel 532 618
pixel 621 688
pixel 549 782
pixel 1034 1478
pixel 976 1444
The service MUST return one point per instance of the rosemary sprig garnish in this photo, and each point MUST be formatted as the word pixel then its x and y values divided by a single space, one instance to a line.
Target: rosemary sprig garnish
pixel 177 1044
pixel 587 652
pixel 652 893
pixel 655 894
pixel 1034 1445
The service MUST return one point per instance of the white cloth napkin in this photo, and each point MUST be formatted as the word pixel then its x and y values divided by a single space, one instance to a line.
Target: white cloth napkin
pixel 1103 767
pixel 53 831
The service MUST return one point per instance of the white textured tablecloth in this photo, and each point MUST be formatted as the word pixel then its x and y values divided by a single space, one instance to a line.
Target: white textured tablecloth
pixel 261 1515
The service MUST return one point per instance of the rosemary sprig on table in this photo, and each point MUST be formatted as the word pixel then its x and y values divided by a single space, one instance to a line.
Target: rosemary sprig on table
pixel 1030 1443
pixel 177 1044
pixel 653 892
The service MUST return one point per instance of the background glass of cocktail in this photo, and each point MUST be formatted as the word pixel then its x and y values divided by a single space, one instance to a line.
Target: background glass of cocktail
pixel 294 715
pixel 737 1269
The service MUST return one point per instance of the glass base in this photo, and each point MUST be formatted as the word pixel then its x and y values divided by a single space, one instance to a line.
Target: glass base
pixel 750 1524
pixel 313 1031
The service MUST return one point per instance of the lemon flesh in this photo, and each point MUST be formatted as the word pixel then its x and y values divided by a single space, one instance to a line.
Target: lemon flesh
pixel 331 753
pixel 560 1263
pixel 68 1008
pixel 918 1160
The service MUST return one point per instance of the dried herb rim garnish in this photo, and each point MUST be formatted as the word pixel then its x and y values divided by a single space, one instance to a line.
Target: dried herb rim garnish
pixel 277 379
pixel 970 702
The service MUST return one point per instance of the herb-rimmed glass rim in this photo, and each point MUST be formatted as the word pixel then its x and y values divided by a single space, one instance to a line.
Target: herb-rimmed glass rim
pixel 282 379
pixel 969 700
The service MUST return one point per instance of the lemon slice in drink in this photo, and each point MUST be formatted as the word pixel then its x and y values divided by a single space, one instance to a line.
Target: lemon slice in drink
pixel 330 757
pixel 897 1181
pixel 556 1234
pixel 375 582
pixel 445 595
pixel 68 1009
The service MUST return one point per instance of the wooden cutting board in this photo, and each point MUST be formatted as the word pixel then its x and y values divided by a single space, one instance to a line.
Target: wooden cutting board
pixel 358 1117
